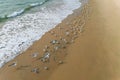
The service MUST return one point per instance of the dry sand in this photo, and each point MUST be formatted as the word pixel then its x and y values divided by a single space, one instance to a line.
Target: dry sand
pixel 91 54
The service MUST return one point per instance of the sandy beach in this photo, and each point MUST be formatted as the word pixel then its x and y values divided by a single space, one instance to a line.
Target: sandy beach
pixel 85 46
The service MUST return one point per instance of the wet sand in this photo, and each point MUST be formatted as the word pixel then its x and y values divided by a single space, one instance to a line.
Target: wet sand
pixel 85 46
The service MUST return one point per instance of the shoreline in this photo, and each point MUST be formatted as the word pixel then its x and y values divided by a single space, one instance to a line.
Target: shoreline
pixel 92 54
pixel 59 32
pixel 14 40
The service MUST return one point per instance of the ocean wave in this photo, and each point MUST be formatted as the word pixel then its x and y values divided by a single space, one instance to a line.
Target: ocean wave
pixel 17 13
pixel 14 14
pixel 18 35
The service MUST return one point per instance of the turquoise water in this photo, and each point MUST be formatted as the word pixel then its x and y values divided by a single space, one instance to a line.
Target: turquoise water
pixel 11 8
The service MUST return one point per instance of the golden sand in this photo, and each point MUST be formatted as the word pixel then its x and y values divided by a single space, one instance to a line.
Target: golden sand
pixel 83 48
pixel 96 54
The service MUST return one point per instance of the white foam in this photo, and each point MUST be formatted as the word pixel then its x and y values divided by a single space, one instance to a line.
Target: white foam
pixel 16 13
pixel 35 4
pixel 17 35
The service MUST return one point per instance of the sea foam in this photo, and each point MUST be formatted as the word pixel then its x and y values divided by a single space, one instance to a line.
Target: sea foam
pixel 18 35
